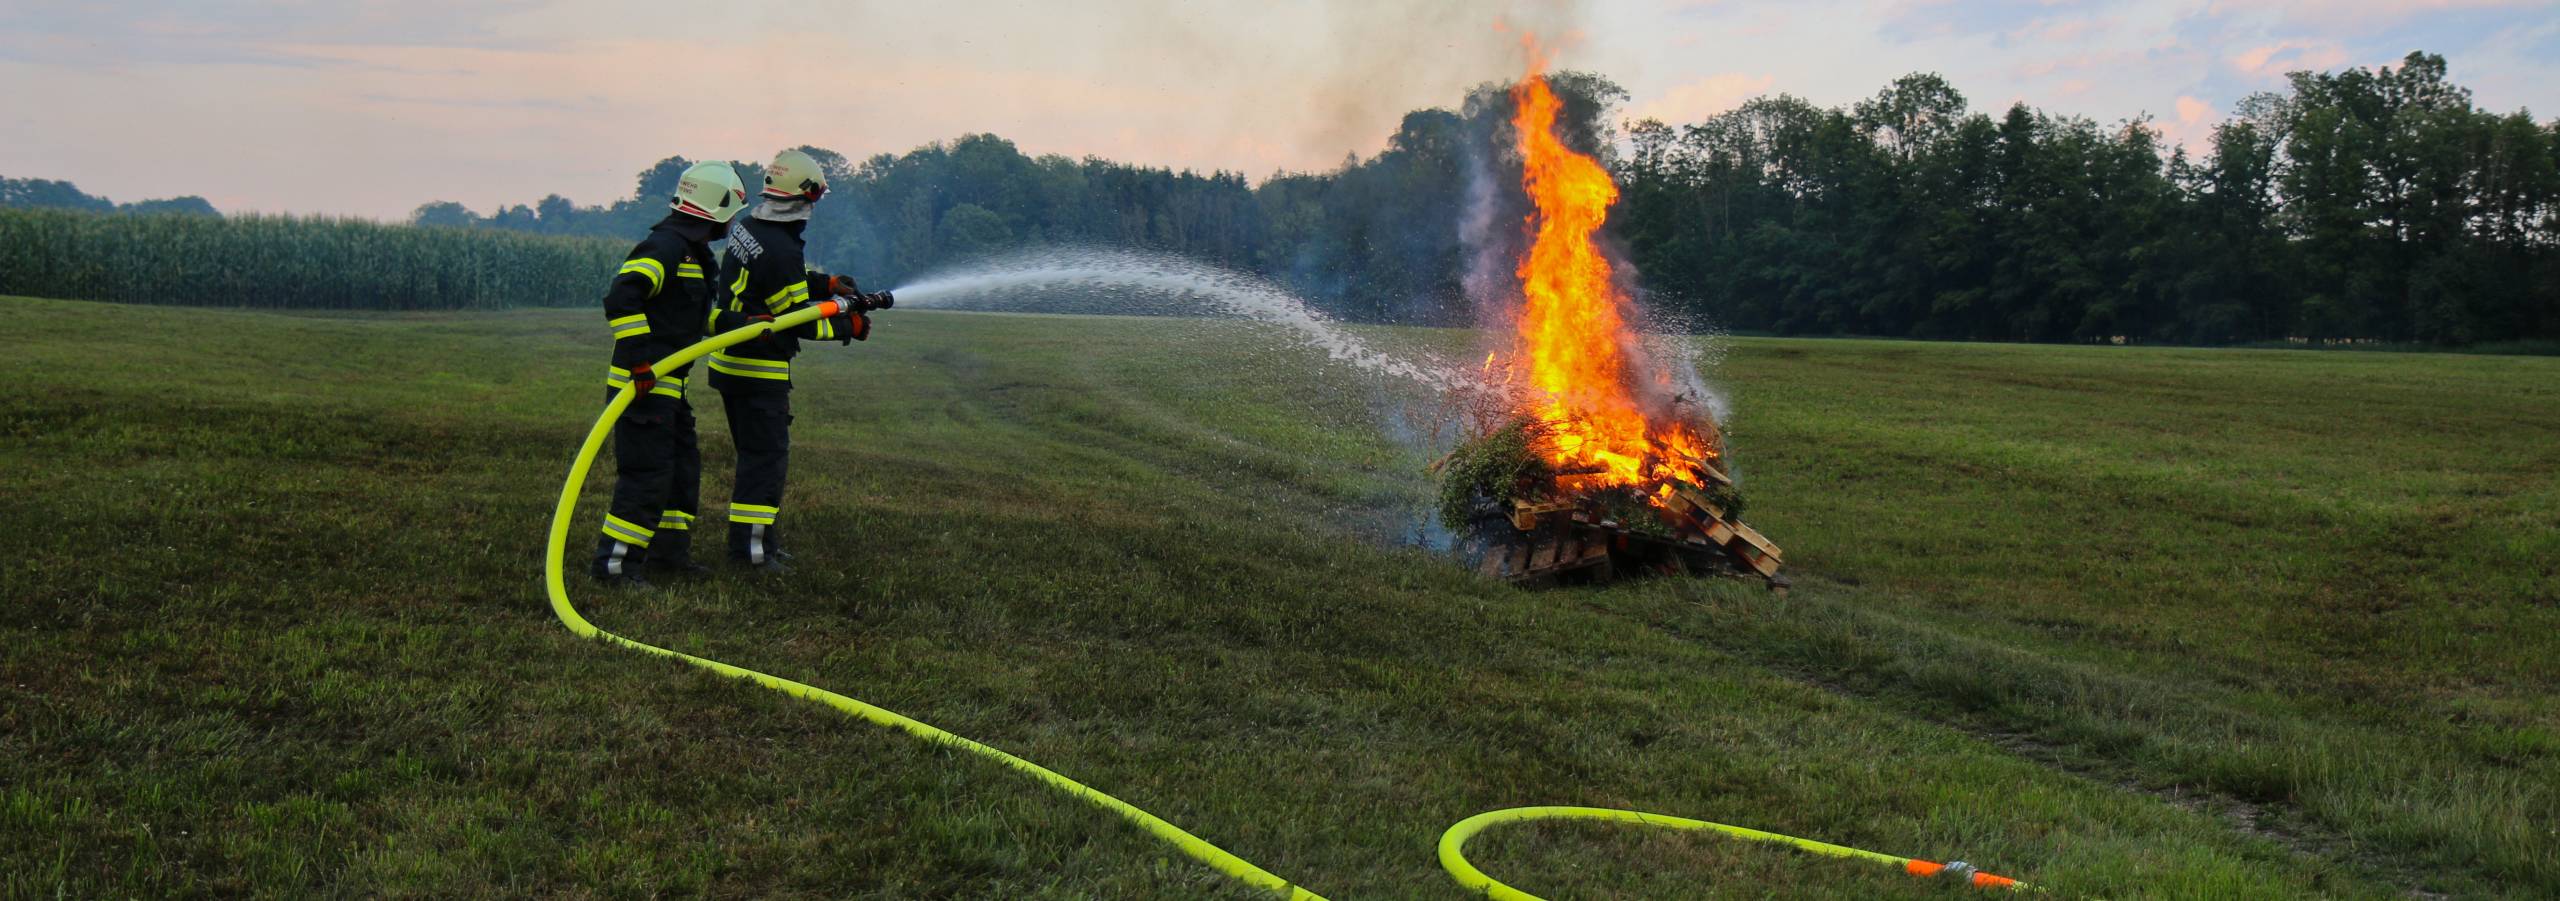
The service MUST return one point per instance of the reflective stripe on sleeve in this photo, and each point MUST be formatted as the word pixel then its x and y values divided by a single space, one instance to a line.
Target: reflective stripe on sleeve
pixel 631 326
pixel 791 295
pixel 651 269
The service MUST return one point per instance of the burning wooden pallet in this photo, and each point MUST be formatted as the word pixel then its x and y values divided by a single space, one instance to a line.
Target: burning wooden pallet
pixel 1565 536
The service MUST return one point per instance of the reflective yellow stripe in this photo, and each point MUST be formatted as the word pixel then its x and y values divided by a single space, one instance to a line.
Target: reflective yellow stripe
pixel 826 329
pixel 630 326
pixel 753 514
pixel 689 270
pixel 622 530
pixel 656 273
pixel 787 297
pixel 738 289
pixel 750 367
pixel 675 519
pixel 616 377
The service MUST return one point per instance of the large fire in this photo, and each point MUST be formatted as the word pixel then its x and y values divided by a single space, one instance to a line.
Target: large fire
pixel 1576 340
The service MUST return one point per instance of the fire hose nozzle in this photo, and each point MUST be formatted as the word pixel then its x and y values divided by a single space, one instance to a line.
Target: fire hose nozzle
pixel 876 301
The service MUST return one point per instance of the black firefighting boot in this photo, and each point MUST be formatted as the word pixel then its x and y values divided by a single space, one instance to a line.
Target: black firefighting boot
pixel 757 545
pixel 619 564
pixel 671 555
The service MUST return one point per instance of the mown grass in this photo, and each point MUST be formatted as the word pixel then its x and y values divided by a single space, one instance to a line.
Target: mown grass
pixel 2124 622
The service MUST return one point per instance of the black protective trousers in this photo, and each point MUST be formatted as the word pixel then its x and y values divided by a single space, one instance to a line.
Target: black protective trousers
pixel 760 423
pixel 657 485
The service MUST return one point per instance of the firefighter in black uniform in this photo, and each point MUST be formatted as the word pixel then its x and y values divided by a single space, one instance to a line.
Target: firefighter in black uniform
pixel 657 304
pixel 767 275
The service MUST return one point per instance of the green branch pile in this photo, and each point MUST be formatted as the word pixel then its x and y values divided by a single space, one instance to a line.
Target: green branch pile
pixel 1492 469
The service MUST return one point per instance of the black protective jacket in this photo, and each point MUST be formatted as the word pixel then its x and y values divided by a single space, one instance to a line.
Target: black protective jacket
pixel 766 273
pixel 660 297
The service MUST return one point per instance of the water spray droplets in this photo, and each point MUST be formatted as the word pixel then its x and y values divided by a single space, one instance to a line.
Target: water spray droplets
pixel 1025 279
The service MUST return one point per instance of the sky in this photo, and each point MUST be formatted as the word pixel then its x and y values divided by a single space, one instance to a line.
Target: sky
pixel 370 108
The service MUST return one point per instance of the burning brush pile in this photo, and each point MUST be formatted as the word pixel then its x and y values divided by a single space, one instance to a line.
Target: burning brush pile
pixel 1583 461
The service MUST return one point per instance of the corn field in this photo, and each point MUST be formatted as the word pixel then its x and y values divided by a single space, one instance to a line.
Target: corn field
pixel 303 263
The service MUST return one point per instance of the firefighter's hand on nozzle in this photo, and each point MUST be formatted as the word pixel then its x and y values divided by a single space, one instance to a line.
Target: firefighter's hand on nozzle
pixel 843 286
pixel 642 379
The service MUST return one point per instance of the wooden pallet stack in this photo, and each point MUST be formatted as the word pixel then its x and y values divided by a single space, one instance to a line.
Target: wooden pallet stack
pixel 1563 537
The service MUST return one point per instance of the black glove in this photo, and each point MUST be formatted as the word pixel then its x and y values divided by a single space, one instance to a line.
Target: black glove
pixel 843 286
pixel 854 327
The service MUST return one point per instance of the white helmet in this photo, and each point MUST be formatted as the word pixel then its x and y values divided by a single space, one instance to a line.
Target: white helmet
pixel 794 176
pixel 711 191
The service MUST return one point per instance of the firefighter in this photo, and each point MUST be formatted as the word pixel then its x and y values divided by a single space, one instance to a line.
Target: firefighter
pixel 658 303
pixel 767 275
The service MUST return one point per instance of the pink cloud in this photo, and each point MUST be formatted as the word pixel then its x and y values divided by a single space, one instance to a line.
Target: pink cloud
pixel 1700 100
pixel 2193 124
pixel 2292 54
pixel 2355 12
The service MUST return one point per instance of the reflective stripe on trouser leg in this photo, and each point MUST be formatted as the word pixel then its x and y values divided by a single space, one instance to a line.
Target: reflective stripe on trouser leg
pixel 620 529
pixel 751 531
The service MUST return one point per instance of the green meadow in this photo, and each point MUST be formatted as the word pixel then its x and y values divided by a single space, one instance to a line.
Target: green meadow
pixel 2121 622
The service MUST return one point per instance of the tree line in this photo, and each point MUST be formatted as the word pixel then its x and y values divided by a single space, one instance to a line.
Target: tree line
pixel 2371 204
pixel 45 193
pixel 2364 204
pixel 2359 205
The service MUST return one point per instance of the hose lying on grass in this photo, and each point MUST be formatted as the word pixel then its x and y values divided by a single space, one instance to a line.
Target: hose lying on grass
pixel 1218 858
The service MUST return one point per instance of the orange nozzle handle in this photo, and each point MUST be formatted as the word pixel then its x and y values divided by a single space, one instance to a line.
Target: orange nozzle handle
pixel 1926 869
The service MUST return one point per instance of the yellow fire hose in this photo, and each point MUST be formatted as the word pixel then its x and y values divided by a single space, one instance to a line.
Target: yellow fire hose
pixel 1217 858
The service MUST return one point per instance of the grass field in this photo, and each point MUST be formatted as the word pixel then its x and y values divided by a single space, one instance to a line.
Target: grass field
pixel 2122 622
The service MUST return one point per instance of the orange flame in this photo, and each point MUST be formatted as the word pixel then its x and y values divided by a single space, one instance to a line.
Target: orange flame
pixel 1574 332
